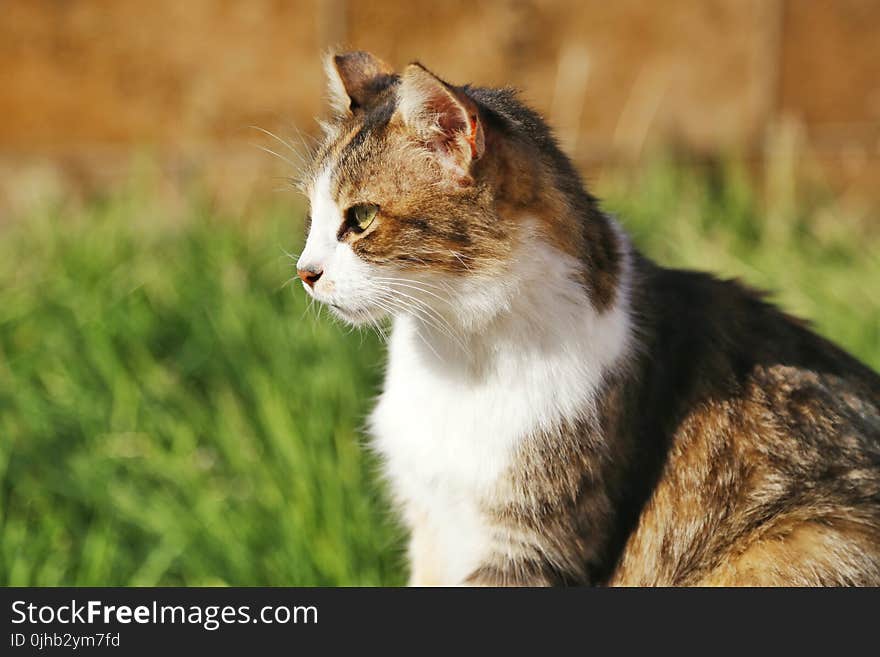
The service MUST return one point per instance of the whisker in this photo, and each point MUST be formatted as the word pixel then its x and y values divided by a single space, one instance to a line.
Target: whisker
pixel 422 304
pixel 302 136
pixel 281 141
pixel 377 323
pixel 397 305
pixel 411 280
pixel 441 286
pixel 420 289
pixel 279 156
pixel 428 316
pixel 294 257
pixel 308 308
pixel 458 257
pixel 461 257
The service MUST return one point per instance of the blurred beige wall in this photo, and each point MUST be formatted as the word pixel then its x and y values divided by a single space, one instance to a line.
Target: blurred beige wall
pixel 83 82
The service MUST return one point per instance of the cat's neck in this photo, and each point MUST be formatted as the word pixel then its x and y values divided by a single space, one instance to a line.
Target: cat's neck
pixel 543 310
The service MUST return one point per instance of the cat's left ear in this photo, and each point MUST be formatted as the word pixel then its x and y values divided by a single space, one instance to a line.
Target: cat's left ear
pixel 354 79
pixel 442 117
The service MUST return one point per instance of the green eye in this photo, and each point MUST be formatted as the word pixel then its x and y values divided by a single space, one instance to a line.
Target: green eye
pixel 360 216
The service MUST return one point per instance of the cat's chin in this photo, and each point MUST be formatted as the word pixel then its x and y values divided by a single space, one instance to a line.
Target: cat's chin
pixel 356 316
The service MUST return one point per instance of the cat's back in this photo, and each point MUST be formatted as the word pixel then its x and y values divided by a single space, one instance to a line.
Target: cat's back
pixel 770 470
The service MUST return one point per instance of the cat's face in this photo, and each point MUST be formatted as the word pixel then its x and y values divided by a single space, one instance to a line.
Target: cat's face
pixel 399 222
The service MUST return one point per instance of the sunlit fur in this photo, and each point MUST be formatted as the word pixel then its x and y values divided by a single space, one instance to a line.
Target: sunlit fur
pixel 556 408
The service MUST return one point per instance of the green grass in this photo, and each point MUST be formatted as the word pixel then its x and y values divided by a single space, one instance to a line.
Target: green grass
pixel 171 414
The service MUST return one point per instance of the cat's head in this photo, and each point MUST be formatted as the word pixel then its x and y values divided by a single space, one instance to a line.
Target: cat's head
pixel 407 194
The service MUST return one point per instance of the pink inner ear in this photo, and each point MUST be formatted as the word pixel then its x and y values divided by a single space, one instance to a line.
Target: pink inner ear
pixel 451 117
pixel 445 119
pixel 472 137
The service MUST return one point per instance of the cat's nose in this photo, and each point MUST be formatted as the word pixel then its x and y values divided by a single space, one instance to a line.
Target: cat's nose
pixel 310 275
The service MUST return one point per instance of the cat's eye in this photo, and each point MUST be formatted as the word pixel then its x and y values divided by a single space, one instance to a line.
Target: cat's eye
pixel 360 216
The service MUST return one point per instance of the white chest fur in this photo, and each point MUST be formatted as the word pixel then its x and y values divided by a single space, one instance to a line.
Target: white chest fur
pixel 448 432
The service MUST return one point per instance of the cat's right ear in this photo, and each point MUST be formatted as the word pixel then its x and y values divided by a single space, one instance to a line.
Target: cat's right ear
pixel 354 79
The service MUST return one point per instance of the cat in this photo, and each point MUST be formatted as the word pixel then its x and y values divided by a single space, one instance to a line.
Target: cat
pixel 557 408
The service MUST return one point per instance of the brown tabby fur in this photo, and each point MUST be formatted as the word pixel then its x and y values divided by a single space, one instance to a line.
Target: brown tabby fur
pixel 752 460
pixel 734 447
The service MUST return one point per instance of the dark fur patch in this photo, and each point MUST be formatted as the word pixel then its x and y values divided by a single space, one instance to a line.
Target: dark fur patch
pixel 740 448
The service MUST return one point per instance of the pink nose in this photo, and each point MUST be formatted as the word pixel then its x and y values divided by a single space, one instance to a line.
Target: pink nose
pixel 309 276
